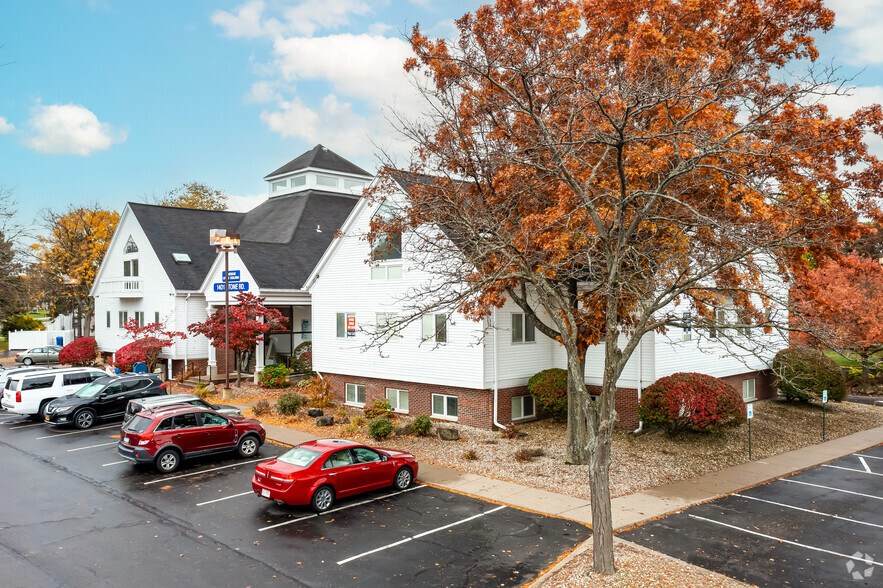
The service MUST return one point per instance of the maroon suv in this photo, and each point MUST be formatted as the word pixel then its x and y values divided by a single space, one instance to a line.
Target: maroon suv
pixel 167 435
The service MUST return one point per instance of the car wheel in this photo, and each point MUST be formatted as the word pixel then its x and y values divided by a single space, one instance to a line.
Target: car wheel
pixel 28 361
pixel 403 478
pixel 167 461
pixel 42 412
pixel 84 419
pixel 248 446
pixel 323 498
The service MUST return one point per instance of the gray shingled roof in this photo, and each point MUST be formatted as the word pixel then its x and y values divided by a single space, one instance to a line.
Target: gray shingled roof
pixel 321 158
pixel 280 243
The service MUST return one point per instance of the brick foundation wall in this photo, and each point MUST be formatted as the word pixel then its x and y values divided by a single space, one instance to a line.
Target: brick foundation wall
pixel 764 383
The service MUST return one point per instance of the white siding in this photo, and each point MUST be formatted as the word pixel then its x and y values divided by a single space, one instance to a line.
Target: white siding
pixel 157 294
pixel 516 362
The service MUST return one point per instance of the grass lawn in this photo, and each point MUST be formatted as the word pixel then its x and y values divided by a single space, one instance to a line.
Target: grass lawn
pixel 4 344
pixel 851 360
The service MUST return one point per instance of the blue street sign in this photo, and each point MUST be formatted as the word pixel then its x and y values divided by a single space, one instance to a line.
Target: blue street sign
pixel 750 411
pixel 234 276
pixel 234 287
pixel 824 396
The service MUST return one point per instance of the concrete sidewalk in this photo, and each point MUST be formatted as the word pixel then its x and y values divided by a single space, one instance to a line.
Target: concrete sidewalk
pixel 635 508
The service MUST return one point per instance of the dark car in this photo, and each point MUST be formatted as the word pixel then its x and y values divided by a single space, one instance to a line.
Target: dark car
pixel 105 398
pixel 318 472
pixel 166 436
pixel 136 406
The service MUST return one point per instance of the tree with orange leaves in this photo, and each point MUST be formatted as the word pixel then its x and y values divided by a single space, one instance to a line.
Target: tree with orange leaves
pixel 841 306
pixel 616 163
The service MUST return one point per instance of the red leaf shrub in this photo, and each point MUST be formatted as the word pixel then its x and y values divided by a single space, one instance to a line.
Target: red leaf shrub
pixel 128 355
pixel 691 401
pixel 549 389
pixel 79 353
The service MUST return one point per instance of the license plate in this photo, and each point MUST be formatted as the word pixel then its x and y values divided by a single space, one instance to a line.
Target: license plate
pixel 126 440
pixel 265 493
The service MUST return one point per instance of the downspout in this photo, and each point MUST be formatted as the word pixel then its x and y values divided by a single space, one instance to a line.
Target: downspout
pixel 640 374
pixel 496 380
pixel 185 320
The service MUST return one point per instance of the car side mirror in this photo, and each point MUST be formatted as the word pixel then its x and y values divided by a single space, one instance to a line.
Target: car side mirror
pixel 229 423
pixel 383 458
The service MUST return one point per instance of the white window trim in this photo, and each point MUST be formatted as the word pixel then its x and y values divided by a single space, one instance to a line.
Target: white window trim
pixel 356 388
pixel 398 392
pixel 345 316
pixel 524 319
pixel 753 387
pixel 444 417
pixel 428 322
pixel 525 416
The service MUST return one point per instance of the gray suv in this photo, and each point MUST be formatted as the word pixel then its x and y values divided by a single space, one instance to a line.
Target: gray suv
pixel 139 404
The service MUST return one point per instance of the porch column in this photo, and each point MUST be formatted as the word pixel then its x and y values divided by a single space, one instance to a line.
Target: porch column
pixel 212 360
pixel 259 357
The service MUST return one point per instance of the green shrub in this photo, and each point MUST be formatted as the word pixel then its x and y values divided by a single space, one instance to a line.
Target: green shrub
pixel 378 407
pixel 20 322
pixel 275 376
pixel 549 389
pixel 359 421
pixel 380 428
pixel 350 429
pixel 301 360
pixel 802 374
pixel 422 425
pixel 290 403
pixel 690 401
pixel 201 390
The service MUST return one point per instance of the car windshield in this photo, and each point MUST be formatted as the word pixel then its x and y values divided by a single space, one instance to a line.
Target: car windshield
pixel 91 390
pixel 299 456
pixel 138 424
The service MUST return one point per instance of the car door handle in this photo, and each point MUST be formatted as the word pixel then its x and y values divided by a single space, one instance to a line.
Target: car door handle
pixel 333 474
pixel 365 468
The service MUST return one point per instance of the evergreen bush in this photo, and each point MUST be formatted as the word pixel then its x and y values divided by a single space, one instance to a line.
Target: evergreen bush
pixel 549 389
pixel 380 428
pixel 802 373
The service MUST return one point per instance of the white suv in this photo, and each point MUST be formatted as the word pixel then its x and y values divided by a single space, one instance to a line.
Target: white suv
pixel 29 393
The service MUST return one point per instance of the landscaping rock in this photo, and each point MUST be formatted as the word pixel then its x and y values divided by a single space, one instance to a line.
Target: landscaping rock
pixel 448 434
pixel 210 388
pixel 405 429
pixel 324 421
pixel 315 412
pixel 343 421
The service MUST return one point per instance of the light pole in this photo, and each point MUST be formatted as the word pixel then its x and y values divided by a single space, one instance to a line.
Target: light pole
pixel 226 243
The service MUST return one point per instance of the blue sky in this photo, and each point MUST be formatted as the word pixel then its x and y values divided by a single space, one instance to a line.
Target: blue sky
pixel 114 101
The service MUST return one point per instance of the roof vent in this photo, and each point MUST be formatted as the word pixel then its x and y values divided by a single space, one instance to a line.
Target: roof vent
pixel 181 258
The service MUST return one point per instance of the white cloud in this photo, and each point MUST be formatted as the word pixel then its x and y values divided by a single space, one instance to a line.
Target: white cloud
pixel 859 23
pixel 247 22
pixel 69 129
pixel 263 91
pixel 5 127
pixel 244 203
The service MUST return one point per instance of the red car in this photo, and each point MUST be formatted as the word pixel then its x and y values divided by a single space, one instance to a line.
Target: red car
pixel 319 472
pixel 166 436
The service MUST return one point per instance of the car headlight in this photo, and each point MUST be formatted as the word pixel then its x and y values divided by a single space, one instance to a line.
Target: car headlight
pixel 60 408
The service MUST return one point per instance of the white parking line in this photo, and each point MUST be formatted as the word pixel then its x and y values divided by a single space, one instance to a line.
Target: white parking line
pixel 424 534
pixel 817 512
pixel 825 465
pixel 865 464
pixel 77 432
pixel 232 465
pixel 871 456
pixel 330 510
pixel 104 465
pixel 834 489
pixel 224 498
pixel 25 426
pixel 795 543
pixel 91 446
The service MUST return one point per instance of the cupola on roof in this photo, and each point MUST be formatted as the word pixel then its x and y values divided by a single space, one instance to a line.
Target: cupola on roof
pixel 319 157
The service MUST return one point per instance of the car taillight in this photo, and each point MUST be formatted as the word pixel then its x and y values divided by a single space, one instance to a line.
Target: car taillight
pixel 283 478
pixel 145 438
pixel 18 396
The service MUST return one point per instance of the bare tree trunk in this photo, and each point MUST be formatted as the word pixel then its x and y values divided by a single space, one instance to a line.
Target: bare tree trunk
pixel 601 427
pixel 577 452
pixel 866 384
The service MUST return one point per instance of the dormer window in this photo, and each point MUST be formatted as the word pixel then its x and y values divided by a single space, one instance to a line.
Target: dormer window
pixel 130 246
pixel 298 181
pixel 329 181
pixel 280 186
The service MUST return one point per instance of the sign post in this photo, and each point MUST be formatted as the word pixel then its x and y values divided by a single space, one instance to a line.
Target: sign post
pixel 750 409
pixel 824 404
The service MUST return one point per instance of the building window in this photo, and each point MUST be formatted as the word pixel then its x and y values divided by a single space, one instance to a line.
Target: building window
pixel 717 328
pixel 435 328
pixel 386 323
pixel 398 399
pixel 329 181
pixel 389 245
pixel 130 268
pixel 123 316
pixel 522 407
pixel 280 186
pixel 386 272
pixel 355 394
pixel 139 316
pixel 748 390
pixel 522 328
pixel 298 181
pixel 156 317
pixel 742 316
pixel 346 324
pixel 108 319
pixel 350 184
pixel 444 406
pixel 130 246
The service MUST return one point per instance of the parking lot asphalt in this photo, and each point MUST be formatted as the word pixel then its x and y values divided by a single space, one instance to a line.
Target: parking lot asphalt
pixel 77 514
pixel 820 527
